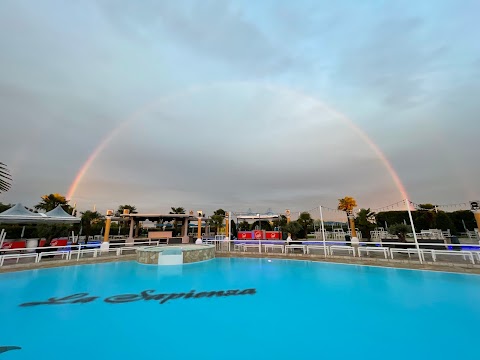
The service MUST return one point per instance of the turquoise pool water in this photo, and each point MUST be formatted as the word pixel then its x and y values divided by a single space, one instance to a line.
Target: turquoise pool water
pixel 239 309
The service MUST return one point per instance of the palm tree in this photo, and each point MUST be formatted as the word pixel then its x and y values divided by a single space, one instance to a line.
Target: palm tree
pixel 217 219
pixel 131 208
pixel 244 226
pixel 90 218
pixel 347 204
pixel 51 201
pixel 5 178
pixel 178 210
pixel 305 221
pixel 365 221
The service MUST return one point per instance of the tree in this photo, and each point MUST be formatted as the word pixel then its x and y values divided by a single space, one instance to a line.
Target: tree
pixel 4 207
pixel 365 222
pixel 401 230
pixel 462 220
pixel 243 226
pixel 280 222
pixel 217 219
pixel 89 220
pixel 305 221
pixel 51 201
pixel 392 217
pixel 131 208
pixel 50 232
pixel 233 229
pixel 261 225
pixel 347 204
pixel 178 210
pixel 5 178
pixel 443 221
pixel 294 229
pixel 426 207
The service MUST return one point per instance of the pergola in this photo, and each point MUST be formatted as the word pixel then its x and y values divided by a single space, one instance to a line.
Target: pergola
pixel 258 234
pixel 257 217
pixel 184 219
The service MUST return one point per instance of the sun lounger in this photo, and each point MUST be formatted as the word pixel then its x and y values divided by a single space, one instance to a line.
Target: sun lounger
pixel 318 247
pixel 18 256
pixel 245 247
pixel 273 246
pixel 408 251
pixel 463 253
pixel 293 247
pixel 80 253
pixel 369 249
pixel 350 249
pixel 126 248
pixel 64 253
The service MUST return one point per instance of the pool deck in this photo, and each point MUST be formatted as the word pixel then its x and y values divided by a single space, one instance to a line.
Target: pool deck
pixel 462 268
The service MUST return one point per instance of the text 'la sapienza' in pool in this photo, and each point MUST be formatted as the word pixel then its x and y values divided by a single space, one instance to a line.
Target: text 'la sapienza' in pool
pixel 146 295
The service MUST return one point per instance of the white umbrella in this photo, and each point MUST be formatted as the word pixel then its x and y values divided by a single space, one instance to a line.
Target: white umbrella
pixel 23 232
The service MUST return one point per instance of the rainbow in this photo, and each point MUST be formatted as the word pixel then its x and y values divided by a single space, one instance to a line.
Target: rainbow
pixel 275 88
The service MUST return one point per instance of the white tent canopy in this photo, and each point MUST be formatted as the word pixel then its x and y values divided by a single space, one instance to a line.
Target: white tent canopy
pixel 18 214
pixel 58 215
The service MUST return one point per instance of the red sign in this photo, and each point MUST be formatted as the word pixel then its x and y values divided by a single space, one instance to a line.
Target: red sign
pixel 14 245
pixel 273 235
pixel 258 234
pixel 245 235
pixel 55 242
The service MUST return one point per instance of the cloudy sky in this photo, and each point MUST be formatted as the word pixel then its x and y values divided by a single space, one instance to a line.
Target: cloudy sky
pixel 240 104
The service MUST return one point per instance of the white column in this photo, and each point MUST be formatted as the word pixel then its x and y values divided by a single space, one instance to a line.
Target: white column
pixel 420 255
pixel 229 225
pixel 130 234
pixel 323 232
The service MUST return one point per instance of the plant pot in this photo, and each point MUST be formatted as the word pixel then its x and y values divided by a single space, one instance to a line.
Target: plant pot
pixel 30 244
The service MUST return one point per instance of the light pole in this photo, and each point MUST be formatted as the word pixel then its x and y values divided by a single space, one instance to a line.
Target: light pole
pixel 475 207
pixel 106 243
pixel 287 214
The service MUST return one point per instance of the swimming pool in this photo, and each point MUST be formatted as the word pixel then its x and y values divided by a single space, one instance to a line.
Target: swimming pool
pixel 239 309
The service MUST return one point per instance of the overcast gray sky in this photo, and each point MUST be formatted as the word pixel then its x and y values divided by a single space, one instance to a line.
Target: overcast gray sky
pixel 233 104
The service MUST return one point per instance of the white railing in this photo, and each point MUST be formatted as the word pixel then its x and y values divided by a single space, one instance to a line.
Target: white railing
pixel 71 251
pixel 387 251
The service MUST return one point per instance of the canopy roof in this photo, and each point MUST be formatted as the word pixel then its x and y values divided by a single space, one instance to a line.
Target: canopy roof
pixel 156 217
pixel 18 214
pixel 58 215
pixel 258 217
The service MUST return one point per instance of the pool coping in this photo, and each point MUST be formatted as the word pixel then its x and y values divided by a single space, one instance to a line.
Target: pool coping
pixel 377 262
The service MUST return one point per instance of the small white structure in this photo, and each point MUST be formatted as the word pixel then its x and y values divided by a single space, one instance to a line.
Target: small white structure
pixel 172 256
